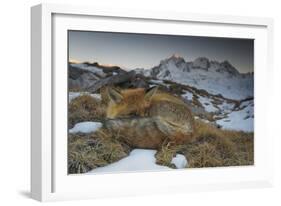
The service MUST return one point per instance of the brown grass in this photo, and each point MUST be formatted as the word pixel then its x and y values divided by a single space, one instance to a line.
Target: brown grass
pixel 75 89
pixel 165 155
pixel 104 95
pixel 85 108
pixel 215 147
pixel 212 147
pixel 86 152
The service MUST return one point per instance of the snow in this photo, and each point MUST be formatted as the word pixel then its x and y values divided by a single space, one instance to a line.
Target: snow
pixel 214 82
pixel 231 86
pixel 226 107
pixel 97 96
pixel 85 127
pixel 238 119
pixel 156 81
pixel 180 161
pixel 242 119
pixel 188 96
pixel 90 68
pixel 146 72
pixel 73 95
pixel 139 160
pixel 201 62
pixel 208 105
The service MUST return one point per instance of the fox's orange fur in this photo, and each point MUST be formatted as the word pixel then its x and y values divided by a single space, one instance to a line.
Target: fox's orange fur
pixel 147 119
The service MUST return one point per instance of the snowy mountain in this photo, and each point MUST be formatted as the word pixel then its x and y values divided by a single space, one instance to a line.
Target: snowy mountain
pixel 212 76
pixel 82 75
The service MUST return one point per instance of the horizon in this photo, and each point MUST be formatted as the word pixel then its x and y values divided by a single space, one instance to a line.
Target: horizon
pixel 130 51
pixel 74 61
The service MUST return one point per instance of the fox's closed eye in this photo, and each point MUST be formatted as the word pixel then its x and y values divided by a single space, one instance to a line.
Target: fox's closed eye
pixel 130 115
pixel 134 114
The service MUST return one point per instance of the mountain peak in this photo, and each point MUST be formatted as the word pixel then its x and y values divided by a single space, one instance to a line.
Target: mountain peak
pixel 175 55
pixel 225 66
pixel 201 63
pixel 175 58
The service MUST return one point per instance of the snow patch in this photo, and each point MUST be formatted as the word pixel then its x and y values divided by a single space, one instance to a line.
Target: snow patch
pixel 92 69
pixel 156 81
pixel 180 161
pixel 85 127
pixel 97 96
pixel 208 105
pixel 139 160
pixel 73 95
pixel 226 107
pixel 188 96
pixel 242 119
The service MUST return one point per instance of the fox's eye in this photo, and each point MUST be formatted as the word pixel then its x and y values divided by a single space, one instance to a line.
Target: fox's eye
pixel 131 114
pixel 134 114
pixel 128 115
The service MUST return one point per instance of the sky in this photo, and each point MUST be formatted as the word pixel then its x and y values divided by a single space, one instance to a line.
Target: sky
pixel 131 51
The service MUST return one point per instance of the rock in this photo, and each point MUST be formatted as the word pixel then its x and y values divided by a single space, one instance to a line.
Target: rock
pixel 226 67
pixel 201 63
pixel 112 80
pixel 79 78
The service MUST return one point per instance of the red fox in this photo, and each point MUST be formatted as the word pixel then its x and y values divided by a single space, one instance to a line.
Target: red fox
pixel 147 119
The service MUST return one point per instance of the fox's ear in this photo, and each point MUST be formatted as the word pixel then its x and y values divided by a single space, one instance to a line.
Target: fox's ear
pixel 150 93
pixel 114 95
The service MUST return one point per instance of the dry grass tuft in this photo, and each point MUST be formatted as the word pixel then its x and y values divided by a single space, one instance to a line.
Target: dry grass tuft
pixel 215 147
pixel 166 153
pixel 86 152
pixel 85 108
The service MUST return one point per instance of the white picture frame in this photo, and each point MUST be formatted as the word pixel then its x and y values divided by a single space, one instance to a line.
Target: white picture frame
pixel 49 180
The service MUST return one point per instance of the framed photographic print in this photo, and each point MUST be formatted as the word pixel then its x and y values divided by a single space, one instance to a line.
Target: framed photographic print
pixel 137 102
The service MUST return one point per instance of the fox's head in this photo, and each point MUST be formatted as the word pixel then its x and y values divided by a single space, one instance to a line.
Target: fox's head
pixel 128 102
